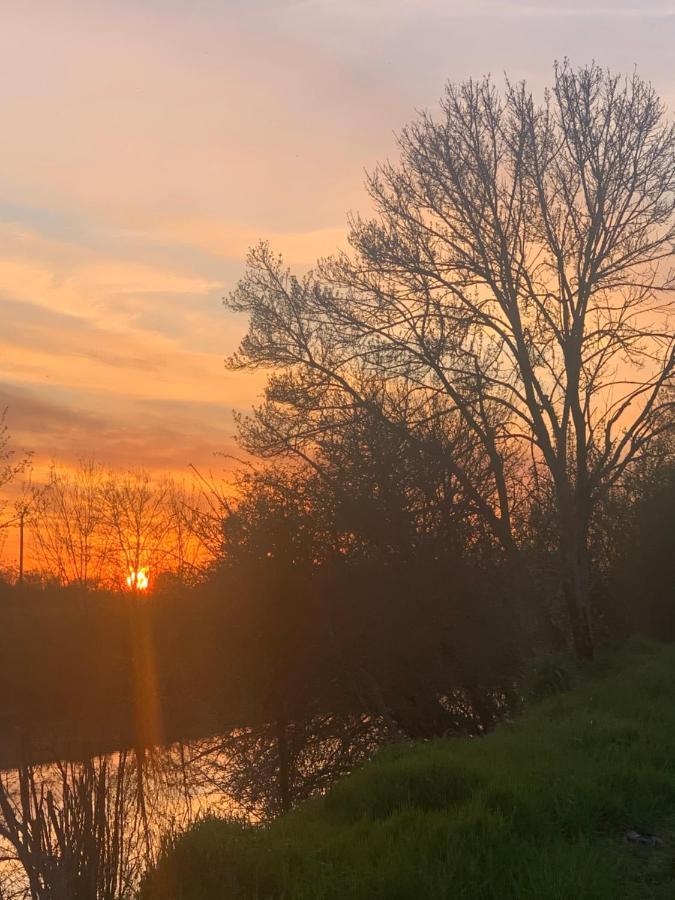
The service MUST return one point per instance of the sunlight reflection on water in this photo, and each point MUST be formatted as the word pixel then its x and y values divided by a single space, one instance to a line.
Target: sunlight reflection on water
pixel 105 818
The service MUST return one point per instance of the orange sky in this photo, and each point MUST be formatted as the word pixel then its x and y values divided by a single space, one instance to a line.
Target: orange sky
pixel 147 143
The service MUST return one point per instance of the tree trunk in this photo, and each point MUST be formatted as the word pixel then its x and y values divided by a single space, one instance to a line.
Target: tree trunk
pixel 284 765
pixel 576 583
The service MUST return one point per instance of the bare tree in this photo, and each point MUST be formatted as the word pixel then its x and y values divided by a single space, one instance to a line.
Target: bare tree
pixel 204 510
pixel 192 517
pixel 11 465
pixel 92 526
pixel 517 279
pixel 136 515
pixel 69 530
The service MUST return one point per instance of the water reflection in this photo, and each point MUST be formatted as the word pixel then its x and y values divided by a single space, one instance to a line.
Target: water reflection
pixel 88 829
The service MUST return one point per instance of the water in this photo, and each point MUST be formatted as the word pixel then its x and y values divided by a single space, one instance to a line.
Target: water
pixel 89 829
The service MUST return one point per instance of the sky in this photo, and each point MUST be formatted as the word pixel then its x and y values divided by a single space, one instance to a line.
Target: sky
pixel 147 143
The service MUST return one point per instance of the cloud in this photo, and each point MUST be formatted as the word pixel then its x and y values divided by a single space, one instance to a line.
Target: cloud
pixel 65 425
pixel 112 356
pixel 30 327
pixel 71 277
pixel 231 241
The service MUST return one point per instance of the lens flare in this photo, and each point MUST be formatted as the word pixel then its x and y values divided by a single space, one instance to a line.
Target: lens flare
pixel 137 579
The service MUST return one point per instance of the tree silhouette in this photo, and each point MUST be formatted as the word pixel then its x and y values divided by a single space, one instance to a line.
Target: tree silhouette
pixel 516 282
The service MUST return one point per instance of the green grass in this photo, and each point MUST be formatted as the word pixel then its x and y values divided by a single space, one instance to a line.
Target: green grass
pixel 535 811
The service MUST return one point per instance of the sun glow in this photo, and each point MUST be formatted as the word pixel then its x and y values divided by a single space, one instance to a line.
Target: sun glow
pixel 137 579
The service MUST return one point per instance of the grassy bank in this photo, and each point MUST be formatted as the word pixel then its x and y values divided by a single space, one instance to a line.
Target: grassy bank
pixel 537 810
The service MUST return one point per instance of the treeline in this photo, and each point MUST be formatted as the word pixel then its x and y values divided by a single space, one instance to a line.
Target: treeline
pixel 331 621
pixel 95 527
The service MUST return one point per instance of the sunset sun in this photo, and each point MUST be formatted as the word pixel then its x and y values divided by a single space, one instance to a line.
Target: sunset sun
pixel 137 579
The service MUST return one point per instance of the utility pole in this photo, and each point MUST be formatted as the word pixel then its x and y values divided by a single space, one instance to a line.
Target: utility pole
pixel 22 517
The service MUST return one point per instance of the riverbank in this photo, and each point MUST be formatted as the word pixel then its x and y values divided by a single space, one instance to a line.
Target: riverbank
pixel 574 799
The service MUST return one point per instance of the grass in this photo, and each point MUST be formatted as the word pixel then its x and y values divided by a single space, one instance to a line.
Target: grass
pixel 536 810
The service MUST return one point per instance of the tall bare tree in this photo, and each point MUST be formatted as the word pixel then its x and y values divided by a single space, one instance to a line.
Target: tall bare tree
pixel 136 516
pixel 192 521
pixel 69 529
pixel 517 279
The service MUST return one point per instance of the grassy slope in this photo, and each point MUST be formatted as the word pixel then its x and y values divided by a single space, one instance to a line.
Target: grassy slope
pixel 534 811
